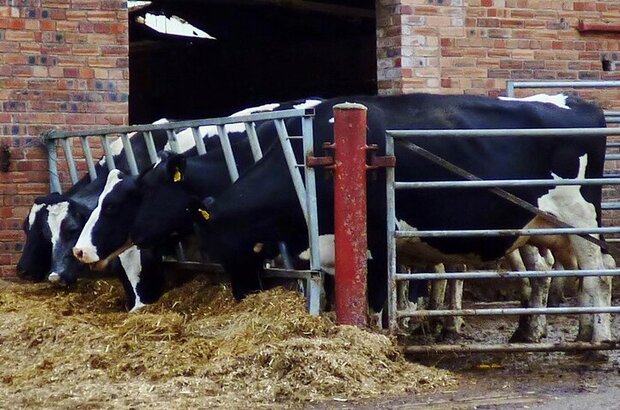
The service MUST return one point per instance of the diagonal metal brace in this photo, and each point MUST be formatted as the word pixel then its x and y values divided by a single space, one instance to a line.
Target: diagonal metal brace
pixel 502 193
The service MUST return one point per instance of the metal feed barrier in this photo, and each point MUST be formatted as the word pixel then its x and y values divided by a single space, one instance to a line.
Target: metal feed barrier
pixel 394 276
pixel 306 193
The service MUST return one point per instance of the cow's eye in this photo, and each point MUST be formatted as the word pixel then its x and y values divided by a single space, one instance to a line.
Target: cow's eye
pixel 109 209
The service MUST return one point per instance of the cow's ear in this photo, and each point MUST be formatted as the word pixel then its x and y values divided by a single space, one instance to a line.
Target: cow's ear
pixel 176 168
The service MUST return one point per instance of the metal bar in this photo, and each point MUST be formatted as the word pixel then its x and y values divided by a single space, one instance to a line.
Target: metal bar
pixel 351 245
pixel 505 232
pixel 109 158
pixel 611 113
pixel 612 157
pixel 150 146
pixel 501 192
pixel 89 158
pixel 180 252
pixel 131 159
pixel 513 347
pixel 391 237
pixel 610 205
pixel 228 153
pixel 200 145
pixel 284 114
pixel 315 284
pixel 291 161
pixel 510 311
pixel 507 183
pixel 613 145
pixel 560 84
pixel 516 132
pixel 66 146
pixel 250 130
pixel 296 274
pixel 508 275
pixel 52 161
pixel 172 140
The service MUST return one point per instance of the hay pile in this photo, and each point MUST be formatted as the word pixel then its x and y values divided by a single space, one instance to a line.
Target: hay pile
pixel 196 347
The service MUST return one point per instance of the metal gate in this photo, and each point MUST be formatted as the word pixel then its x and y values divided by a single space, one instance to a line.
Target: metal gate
pixel 306 192
pixel 394 276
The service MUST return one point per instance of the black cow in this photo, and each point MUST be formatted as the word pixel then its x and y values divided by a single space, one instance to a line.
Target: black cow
pixel 261 207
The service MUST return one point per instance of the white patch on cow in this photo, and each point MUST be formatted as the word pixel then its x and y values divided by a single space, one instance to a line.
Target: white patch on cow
pixel 414 252
pixel 210 131
pixel 131 263
pixel 567 203
pixel 56 214
pixel 116 147
pixel 84 250
pixel 33 213
pixel 331 120
pixel 254 110
pixel 307 104
pixel 185 140
pixel 327 251
pixel 557 99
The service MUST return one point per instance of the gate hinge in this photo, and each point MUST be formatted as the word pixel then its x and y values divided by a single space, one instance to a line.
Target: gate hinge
pixel 378 161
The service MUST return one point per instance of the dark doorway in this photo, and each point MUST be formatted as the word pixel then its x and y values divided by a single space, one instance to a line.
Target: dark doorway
pixel 264 51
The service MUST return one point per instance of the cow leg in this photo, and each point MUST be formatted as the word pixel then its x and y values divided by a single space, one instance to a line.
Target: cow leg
pixel 437 298
pixel 594 291
pixel 525 291
pixel 532 327
pixel 453 325
pixel 558 286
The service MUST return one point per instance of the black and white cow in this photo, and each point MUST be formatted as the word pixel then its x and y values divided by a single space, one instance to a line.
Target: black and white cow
pixel 262 205
pixel 174 182
pixel 107 228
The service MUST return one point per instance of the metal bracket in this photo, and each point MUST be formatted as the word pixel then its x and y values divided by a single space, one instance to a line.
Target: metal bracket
pixel 379 161
pixel 326 161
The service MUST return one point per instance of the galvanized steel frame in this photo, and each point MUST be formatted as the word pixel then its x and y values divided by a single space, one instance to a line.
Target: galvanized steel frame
pixel 392 233
pixel 306 192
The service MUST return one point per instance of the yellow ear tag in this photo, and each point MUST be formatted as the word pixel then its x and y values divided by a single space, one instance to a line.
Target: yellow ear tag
pixel 177 175
pixel 204 214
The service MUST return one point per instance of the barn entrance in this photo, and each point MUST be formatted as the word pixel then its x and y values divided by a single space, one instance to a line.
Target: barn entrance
pixel 263 51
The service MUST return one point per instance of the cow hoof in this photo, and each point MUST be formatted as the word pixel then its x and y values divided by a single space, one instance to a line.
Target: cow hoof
pixel 137 307
pixel 450 335
pixel 524 336
pixel 55 278
pixel 593 356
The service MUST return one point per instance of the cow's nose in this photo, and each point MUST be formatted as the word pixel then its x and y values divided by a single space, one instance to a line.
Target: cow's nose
pixel 78 253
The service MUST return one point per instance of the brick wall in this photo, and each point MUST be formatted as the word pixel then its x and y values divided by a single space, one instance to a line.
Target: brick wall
pixel 62 64
pixel 474 46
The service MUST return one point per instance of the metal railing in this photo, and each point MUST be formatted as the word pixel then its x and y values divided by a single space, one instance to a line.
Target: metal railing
pixel 611 116
pixel 306 192
pixel 393 233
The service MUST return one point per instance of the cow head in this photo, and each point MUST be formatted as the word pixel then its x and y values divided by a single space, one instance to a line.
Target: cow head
pixel 65 221
pixel 163 209
pixel 34 263
pixel 107 228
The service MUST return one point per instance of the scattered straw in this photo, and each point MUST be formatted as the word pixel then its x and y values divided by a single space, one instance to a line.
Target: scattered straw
pixel 196 347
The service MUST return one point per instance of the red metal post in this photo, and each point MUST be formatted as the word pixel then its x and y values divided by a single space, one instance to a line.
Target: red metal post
pixel 350 213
